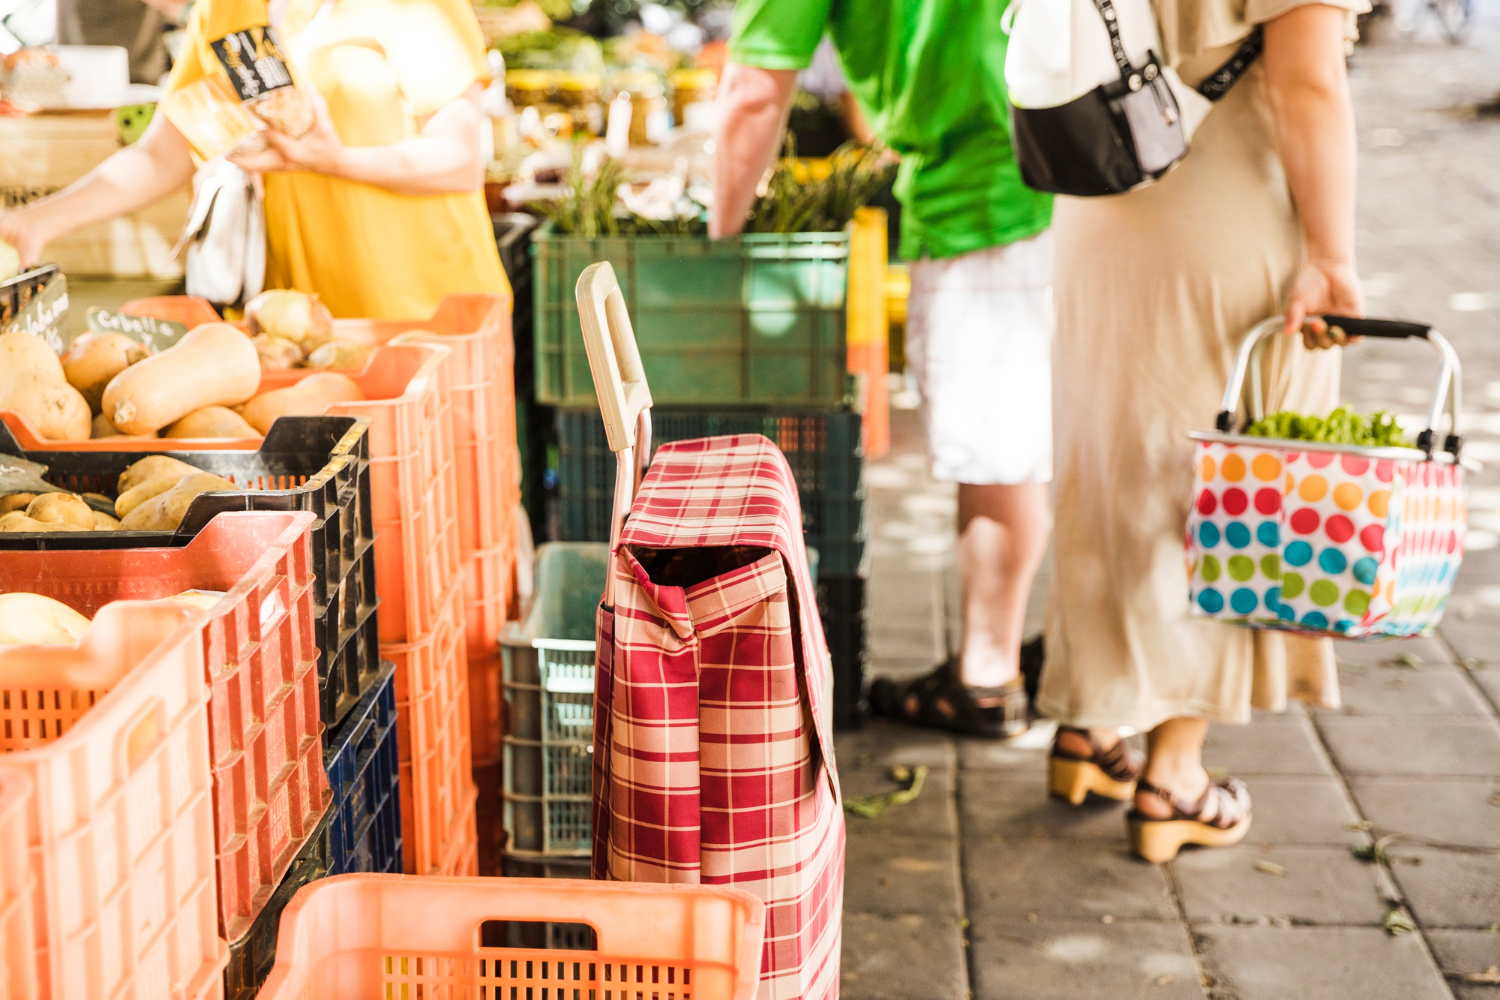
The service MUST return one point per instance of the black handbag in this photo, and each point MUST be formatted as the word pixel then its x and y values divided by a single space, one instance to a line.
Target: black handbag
pixel 1121 135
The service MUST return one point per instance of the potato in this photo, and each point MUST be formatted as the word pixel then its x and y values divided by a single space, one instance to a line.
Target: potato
pixel 18 520
pixel 340 354
pixel 205 599
pixel 277 354
pixel 34 620
pixel 137 495
pixel 62 508
pixel 15 501
pixel 153 467
pixel 165 511
pixel 103 522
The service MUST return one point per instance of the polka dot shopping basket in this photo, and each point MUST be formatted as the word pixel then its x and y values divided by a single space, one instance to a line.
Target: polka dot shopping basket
pixel 1327 539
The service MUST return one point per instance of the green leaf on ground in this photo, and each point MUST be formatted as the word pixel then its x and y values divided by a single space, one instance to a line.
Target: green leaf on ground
pixel 1409 661
pixel 1398 921
pixel 1270 868
pixel 873 806
pixel 1490 976
pixel 1370 852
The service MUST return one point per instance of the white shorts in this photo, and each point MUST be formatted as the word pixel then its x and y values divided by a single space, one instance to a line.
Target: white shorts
pixel 979 341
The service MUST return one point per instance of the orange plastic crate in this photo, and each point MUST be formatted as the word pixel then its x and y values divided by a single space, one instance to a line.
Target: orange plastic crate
pixel 412 484
pixel 17 932
pixel 462 847
pixel 269 784
pixel 113 734
pixel 486 591
pixel 357 936
pixel 432 730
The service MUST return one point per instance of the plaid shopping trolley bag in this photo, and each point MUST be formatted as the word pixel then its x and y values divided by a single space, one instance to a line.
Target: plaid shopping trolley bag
pixel 1328 539
pixel 712 761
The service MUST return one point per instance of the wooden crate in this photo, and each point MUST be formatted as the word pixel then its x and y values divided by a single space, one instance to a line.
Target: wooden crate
pixel 40 154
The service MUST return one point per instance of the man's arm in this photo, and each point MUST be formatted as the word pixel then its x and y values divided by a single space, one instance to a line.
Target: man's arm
pixel 753 106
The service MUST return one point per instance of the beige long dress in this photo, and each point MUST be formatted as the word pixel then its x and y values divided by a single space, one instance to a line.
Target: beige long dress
pixel 1155 290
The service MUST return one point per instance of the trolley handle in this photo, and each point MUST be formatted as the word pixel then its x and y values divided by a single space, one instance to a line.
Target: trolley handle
pixel 620 385
pixel 1445 394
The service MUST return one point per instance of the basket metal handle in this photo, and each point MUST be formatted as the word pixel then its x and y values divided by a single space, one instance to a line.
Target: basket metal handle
pixel 620 385
pixel 1445 395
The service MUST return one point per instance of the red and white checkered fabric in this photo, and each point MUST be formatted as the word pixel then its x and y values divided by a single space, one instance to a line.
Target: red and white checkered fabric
pixel 711 762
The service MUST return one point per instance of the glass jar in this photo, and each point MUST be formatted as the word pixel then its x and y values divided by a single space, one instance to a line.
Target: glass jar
pixel 650 115
pixel 580 94
pixel 693 93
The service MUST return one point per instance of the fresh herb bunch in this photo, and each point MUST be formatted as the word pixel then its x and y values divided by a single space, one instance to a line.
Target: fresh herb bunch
pixel 592 207
pixel 1342 426
pixel 797 202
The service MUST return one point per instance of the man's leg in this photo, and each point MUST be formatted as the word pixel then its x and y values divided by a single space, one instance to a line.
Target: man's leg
pixel 1002 537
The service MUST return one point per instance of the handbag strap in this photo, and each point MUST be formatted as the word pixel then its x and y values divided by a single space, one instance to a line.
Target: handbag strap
pixel 1106 10
pixel 1217 83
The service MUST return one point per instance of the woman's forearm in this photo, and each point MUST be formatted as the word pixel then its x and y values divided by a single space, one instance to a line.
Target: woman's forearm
pixel 1314 123
pixel 424 164
pixel 137 176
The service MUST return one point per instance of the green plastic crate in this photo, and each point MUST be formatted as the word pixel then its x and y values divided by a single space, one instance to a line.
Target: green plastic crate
pixel 751 320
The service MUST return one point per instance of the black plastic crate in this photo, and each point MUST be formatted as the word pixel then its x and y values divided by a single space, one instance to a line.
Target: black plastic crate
pixel 251 957
pixel 841 605
pixel 526 866
pixel 317 464
pixel 363 764
pixel 823 450
pixel 17 291
pixel 513 240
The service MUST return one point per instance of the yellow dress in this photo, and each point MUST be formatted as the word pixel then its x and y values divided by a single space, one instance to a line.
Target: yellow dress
pixel 382 66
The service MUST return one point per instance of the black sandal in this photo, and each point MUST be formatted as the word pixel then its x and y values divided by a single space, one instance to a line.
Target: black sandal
pixel 939 700
pixel 1158 839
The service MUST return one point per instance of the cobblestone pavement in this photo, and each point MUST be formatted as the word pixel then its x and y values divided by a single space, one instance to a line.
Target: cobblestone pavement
pixel 983 886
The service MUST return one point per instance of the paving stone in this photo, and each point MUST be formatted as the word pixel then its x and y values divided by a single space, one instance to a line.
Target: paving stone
pixel 1489 682
pixel 930 814
pixel 1372 654
pixel 1069 959
pixel 1413 746
pixel 1448 889
pixel 1281 748
pixel 1454 810
pixel 1465 953
pixel 902 874
pixel 883 743
pixel 1300 810
pixel 1062 880
pixel 1020 758
pixel 1016 806
pixel 1473 639
pixel 1316 885
pixel 902 958
pixel 1317 963
pixel 1390 691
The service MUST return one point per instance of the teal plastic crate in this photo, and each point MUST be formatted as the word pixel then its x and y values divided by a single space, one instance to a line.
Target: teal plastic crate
pixel 548 683
pixel 752 320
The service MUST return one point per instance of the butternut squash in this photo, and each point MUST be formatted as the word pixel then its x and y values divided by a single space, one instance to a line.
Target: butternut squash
pixel 213 365
pixel 34 620
pixel 165 511
pixel 62 508
pixel 211 422
pixel 32 384
pixel 153 467
pixel 104 429
pixel 288 314
pixel 311 396
pixel 95 358
pixel 277 354
pixel 15 501
pixel 205 599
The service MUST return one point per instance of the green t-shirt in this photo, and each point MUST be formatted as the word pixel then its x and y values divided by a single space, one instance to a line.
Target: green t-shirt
pixel 929 75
